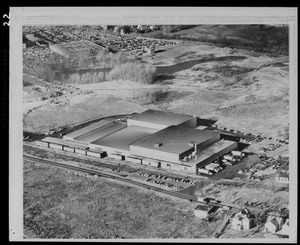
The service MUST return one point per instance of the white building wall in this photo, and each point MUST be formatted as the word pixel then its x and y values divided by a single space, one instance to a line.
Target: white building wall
pixel 109 150
pixel 70 149
pixel 134 160
pixel 93 154
pixel 131 122
pixel 80 151
pixel 41 143
pixel 154 154
pixel 56 146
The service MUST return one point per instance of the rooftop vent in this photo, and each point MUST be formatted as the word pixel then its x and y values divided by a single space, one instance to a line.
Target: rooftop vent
pixel 192 143
pixel 159 144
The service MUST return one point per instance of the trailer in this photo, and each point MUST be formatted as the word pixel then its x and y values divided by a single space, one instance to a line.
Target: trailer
pixel 238 153
pixel 229 158
pixel 99 154
pixel 205 171
pixel 56 146
pixel 42 143
pixel 152 163
pixel 80 151
pixel 215 164
pixel 117 156
pixel 134 159
pixel 69 149
pixel 210 167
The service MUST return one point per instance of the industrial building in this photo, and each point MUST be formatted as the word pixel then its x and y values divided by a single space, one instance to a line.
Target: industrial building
pixel 154 138
pixel 77 48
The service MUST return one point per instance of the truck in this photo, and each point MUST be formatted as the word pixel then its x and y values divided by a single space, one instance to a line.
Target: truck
pixel 210 167
pixel 238 153
pixel 229 158
pixel 205 171
pixel 214 164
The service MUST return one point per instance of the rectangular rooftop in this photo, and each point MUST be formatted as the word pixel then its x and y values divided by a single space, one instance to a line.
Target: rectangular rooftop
pixel 174 139
pixel 123 138
pixel 87 129
pixel 160 118
pixel 100 132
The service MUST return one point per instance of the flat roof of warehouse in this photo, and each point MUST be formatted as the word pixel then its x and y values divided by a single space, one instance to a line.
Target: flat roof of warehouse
pixel 88 128
pixel 80 145
pixel 174 139
pixel 161 117
pixel 65 142
pixel 211 150
pixel 100 132
pixel 124 137
pixel 54 140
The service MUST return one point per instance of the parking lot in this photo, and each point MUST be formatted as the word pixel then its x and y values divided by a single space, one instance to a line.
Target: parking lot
pixel 133 44
pixel 164 181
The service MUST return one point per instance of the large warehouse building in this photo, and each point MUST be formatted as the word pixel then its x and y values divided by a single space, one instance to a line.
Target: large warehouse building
pixel 162 139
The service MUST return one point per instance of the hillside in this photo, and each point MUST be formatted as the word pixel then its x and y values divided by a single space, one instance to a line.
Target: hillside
pixel 267 38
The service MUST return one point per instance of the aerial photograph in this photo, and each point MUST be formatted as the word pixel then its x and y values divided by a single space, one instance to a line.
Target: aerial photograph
pixel 156 131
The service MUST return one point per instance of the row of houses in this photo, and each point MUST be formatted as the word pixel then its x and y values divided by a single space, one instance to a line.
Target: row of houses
pixel 244 220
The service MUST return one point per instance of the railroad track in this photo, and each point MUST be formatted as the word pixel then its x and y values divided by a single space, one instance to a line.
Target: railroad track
pixel 111 176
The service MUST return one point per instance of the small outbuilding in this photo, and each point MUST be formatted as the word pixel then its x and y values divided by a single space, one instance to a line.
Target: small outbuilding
pixel 203 211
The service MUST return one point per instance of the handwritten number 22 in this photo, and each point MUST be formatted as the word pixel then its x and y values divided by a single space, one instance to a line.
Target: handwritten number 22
pixel 6 16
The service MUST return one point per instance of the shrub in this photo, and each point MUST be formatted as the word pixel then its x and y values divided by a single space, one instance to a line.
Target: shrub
pixel 134 72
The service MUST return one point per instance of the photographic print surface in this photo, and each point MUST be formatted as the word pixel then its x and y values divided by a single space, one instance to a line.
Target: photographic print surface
pixel 156 131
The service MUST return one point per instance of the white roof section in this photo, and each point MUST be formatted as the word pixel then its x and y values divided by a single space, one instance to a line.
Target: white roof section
pixel 87 129
pixel 54 140
pixel 214 149
pixel 160 118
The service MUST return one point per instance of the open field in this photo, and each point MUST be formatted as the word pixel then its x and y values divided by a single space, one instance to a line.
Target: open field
pixel 241 89
pixel 80 108
pixel 58 204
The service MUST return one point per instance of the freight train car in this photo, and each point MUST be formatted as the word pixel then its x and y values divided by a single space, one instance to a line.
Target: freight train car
pixel 134 159
pixel 117 156
pixel 42 143
pixel 81 151
pixel 69 149
pixel 99 154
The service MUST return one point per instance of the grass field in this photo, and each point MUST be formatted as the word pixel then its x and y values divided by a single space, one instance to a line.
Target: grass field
pixel 58 204
pixel 81 108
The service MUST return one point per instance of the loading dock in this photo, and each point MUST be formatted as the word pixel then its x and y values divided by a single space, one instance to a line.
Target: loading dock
pixel 70 149
pixel 56 146
pixel 117 156
pixel 41 143
pixel 99 154
pixel 152 163
pixel 80 151
pixel 134 159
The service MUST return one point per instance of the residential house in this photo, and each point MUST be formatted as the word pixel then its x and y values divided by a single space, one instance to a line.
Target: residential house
pixel 273 224
pixel 242 221
pixel 203 211
pixel 285 230
pixel 283 174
